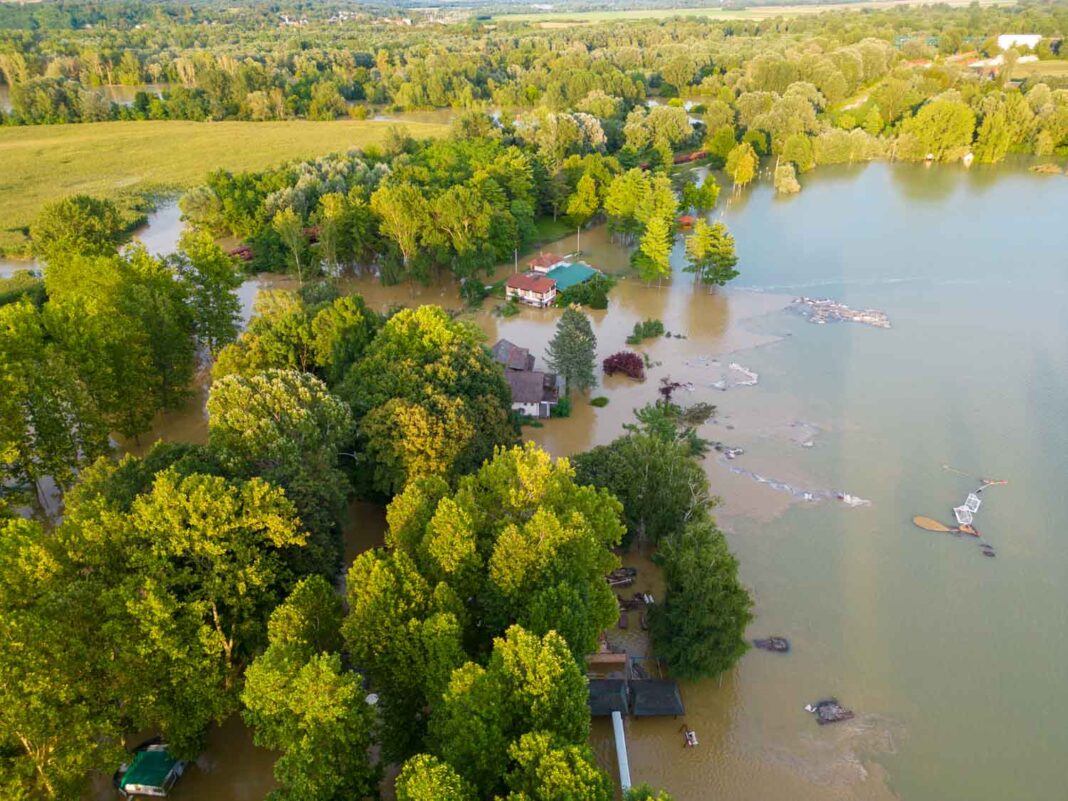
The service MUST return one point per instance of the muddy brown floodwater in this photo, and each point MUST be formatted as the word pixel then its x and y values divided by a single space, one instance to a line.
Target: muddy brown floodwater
pixel 952 662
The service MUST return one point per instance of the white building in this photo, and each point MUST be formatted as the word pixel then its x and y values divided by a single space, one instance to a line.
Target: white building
pixel 1019 40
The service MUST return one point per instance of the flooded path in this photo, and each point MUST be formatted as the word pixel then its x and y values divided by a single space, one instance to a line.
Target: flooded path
pixel 949 659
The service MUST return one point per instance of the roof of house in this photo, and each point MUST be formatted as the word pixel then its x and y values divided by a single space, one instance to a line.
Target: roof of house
pixel 607 696
pixel 531 386
pixel 531 283
pixel 656 697
pixel 512 356
pixel 569 274
pixel 544 260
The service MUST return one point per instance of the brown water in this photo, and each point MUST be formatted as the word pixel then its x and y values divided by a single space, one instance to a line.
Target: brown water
pixel 952 662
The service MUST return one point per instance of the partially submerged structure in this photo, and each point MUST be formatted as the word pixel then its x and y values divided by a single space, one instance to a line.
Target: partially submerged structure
pixel 548 275
pixel 534 392
pixel 152 772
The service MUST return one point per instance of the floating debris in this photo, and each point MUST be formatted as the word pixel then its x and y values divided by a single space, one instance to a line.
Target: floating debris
pixel 812 496
pixel 779 645
pixel 751 378
pixel 829 711
pixel 689 736
pixel 825 310
pixel 622 576
pixel 729 452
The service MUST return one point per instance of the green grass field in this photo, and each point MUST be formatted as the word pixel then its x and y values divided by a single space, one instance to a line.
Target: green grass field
pixel 554 18
pixel 1033 68
pixel 119 160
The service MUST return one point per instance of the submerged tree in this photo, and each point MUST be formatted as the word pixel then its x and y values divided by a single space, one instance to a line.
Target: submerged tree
pixel 700 626
pixel 710 253
pixel 742 163
pixel 572 350
pixel 77 225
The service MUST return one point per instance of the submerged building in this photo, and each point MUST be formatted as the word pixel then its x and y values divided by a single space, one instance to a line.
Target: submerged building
pixel 534 392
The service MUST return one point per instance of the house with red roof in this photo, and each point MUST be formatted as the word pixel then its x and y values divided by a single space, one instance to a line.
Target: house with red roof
pixel 533 289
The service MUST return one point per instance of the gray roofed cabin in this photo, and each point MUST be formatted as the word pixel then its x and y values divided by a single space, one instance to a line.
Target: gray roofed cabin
pixel 534 392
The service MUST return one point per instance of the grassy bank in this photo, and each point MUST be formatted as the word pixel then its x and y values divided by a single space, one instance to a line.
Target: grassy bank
pixel 121 160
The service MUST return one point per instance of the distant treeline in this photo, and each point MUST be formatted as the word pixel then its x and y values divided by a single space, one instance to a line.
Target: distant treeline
pixel 322 62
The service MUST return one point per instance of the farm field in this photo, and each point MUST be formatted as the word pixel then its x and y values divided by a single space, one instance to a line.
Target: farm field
pixel 553 18
pixel 1053 68
pixel 124 160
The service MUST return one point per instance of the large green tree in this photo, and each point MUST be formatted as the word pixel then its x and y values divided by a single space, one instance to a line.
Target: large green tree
pixel 287 428
pixel 710 253
pixel 428 399
pixel 78 224
pixel 300 700
pixel 572 351
pixel 518 542
pixel 661 485
pixel 211 279
pixel 699 628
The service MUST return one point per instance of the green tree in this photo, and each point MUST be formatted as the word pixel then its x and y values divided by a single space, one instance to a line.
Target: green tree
pixel 299 700
pixel 547 771
pixel 427 778
pixel 286 427
pixel 404 214
pixel 661 485
pixel 700 626
pixel 58 716
pixel 211 279
pixel 584 203
pixel 573 349
pixel 742 163
pixel 290 228
pixel 78 224
pixel 710 253
pixel 941 129
pixel 701 198
pixel 49 423
pixel 786 179
pixel 653 257
pixel 518 542
pixel 644 792
pixel 428 398
pixel 531 684
pixel 798 149
pixel 720 143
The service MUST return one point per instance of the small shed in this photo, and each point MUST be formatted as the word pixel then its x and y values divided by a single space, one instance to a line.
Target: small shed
pixel 655 697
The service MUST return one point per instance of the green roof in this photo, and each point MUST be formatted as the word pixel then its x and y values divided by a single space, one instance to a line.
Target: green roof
pixel 148 769
pixel 569 274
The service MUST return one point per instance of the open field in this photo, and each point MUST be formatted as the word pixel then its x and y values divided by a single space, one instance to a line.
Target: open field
pixel 1032 68
pixel 121 159
pixel 553 18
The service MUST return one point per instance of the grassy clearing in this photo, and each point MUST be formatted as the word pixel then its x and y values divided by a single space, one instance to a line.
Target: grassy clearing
pixel 1032 68
pixel 122 160
pixel 554 19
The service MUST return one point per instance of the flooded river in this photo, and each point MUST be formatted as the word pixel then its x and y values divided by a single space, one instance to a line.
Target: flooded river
pixel 953 662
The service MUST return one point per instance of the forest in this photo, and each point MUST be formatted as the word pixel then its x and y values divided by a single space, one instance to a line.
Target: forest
pixel 206 580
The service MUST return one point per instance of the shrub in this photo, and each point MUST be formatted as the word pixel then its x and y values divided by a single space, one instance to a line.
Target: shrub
pixel 562 408
pixel 600 401
pixel 509 309
pixel 626 362
pixel 592 293
pixel 473 292
pixel 647 329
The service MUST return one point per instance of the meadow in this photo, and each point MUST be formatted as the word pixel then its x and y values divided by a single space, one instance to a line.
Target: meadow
pixel 126 161
pixel 1032 68
pixel 555 18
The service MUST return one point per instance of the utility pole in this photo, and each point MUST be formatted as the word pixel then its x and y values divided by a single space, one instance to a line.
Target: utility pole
pixel 516 252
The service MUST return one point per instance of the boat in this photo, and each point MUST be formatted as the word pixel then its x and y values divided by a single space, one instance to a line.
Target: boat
pixel 930 524
pixel 152 772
